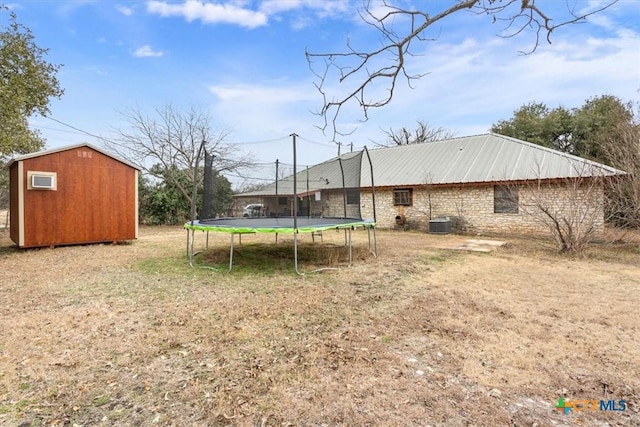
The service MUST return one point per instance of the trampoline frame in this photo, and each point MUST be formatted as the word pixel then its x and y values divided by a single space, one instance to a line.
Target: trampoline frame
pixel 279 225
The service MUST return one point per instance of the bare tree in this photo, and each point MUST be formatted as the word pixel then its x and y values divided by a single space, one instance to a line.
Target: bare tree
pixel 621 146
pixel 361 72
pixel 572 209
pixel 165 146
pixel 422 134
pixel 249 187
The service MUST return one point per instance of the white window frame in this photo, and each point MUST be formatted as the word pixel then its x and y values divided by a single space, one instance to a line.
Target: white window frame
pixel 31 175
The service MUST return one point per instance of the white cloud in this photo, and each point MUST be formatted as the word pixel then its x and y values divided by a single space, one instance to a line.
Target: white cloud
pixel 269 108
pixel 210 13
pixel 274 109
pixel 321 8
pixel 474 84
pixel 147 51
pixel 261 94
pixel 13 6
pixel 125 10
pixel 236 12
pixel 272 7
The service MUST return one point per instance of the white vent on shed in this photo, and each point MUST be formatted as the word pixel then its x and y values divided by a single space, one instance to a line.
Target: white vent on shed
pixel 41 180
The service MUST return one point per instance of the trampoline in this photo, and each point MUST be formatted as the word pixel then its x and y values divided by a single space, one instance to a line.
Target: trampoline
pixel 334 178
pixel 290 225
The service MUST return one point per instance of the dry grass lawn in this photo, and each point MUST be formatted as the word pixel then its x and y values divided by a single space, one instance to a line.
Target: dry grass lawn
pixel 129 334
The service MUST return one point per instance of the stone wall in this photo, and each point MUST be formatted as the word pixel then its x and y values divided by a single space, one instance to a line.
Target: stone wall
pixel 333 205
pixel 471 208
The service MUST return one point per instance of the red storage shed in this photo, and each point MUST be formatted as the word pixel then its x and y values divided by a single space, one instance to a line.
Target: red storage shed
pixel 72 195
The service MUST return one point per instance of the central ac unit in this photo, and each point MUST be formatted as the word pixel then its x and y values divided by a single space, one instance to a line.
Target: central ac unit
pixel 440 226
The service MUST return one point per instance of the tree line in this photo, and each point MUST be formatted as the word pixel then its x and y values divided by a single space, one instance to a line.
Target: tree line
pixel 604 129
pixel 27 84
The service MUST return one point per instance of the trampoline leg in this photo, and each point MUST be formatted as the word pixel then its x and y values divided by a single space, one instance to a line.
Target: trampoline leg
pixel 190 246
pixel 375 241
pixel 295 253
pixel 207 244
pixel 350 254
pixel 231 254
pixel 188 253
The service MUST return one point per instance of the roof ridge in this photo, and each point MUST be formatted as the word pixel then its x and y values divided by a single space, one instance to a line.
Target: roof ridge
pixel 67 148
pixel 439 141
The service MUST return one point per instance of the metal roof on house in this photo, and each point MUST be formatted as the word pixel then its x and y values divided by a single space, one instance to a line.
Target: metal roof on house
pixel 472 159
pixel 476 159
pixel 66 148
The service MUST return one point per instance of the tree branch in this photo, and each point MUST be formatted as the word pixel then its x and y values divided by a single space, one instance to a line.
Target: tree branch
pixel 360 73
pixel 165 146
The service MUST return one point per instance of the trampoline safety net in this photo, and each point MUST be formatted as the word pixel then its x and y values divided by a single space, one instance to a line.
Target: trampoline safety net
pixel 207 187
pixel 329 189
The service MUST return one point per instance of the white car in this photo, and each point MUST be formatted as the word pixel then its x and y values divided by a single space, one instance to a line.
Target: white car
pixel 254 209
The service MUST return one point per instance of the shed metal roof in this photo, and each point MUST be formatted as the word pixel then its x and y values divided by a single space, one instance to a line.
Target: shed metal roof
pixel 66 148
pixel 472 159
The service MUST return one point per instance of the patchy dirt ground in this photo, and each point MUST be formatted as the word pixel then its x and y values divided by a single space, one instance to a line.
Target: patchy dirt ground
pixel 4 219
pixel 423 335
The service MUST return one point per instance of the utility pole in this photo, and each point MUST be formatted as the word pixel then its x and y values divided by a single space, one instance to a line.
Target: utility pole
pixel 277 165
pixel 295 184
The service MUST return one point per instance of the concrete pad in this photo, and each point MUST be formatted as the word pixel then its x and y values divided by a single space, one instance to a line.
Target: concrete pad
pixel 480 245
pixel 494 243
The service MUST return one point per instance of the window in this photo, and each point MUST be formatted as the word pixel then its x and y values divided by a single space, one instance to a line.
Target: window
pixel 41 180
pixel 403 196
pixel 353 196
pixel 505 199
pixel 283 201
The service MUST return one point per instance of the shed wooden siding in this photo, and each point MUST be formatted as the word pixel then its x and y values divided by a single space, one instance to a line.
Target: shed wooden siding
pixel 95 200
pixel 14 213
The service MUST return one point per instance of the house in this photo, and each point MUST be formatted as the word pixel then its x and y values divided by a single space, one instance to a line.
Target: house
pixel 481 183
pixel 72 195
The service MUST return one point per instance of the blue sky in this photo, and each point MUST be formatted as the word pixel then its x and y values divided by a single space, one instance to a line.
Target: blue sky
pixel 243 62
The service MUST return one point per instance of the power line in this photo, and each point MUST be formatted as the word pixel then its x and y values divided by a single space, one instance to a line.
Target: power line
pixel 60 130
pixel 101 138
pixel 323 144
pixel 75 128
pixel 82 131
pixel 266 141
